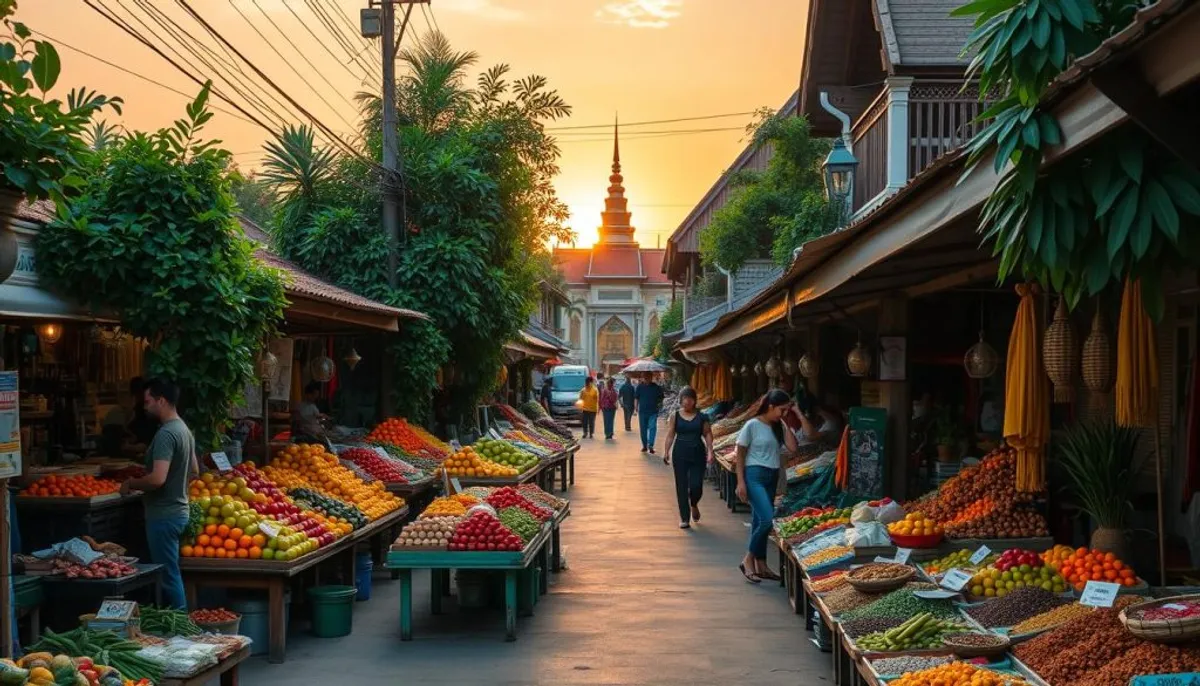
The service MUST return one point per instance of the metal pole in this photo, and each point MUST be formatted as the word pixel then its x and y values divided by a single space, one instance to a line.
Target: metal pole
pixel 393 201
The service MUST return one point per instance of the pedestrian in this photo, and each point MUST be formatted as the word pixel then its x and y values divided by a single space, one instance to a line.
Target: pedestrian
pixel 690 443
pixel 589 405
pixel 544 395
pixel 170 461
pixel 758 446
pixel 608 406
pixel 628 396
pixel 649 400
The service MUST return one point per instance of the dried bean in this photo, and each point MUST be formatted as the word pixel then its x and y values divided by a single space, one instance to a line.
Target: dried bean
pixel 1050 619
pixel 878 571
pixel 974 640
pixel 847 598
pixel 1017 606
pixel 869 625
pixel 902 604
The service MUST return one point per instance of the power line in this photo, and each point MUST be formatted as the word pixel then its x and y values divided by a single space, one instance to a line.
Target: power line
pixel 331 26
pixel 430 15
pixel 644 123
pixel 636 134
pixel 343 65
pixel 301 53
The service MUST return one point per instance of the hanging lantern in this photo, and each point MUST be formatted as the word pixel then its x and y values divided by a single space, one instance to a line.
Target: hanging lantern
pixel 981 360
pixel 745 370
pixel 352 359
pixel 772 367
pixel 733 370
pixel 858 361
pixel 758 368
pixel 1058 353
pixel 266 366
pixel 322 368
pixel 789 367
pixel 49 333
pixel 1097 363
pixel 806 366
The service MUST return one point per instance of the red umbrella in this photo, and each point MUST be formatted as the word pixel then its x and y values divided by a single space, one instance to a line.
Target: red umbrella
pixel 552 362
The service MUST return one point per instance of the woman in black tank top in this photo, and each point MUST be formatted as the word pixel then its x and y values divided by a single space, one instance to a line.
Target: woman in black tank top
pixel 689 442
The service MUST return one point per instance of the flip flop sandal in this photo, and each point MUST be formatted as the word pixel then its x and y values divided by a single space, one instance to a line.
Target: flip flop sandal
pixel 771 576
pixel 750 576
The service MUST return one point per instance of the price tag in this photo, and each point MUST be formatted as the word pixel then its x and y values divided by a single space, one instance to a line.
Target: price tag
pixel 222 462
pixel 885 560
pixel 956 579
pixel 1099 594
pixel 1175 606
pixel 116 609
pixel 455 444
pixel 270 529
pixel 495 434
pixel 1180 679
pixel 981 554
pixel 935 594
pixel 902 555
pixel 455 485
pixel 382 452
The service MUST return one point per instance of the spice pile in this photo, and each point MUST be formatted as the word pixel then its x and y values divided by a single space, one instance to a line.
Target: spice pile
pixel 982 501
pixel 902 604
pixel 1015 607
pixel 908 663
pixel 1051 619
pixel 958 674
pixel 1145 658
pixel 1079 647
pixel 846 598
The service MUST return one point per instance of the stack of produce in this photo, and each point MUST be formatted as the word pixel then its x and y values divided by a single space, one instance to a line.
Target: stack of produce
pixel 828 582
pixel 540 497
pixel 1051 618
pixel 308 499
pixel 505 453
pixel 958 674
pixel 555 427
pixel 100 647
pixel 1074 651
pixel 810 518
pixel 508 497
pixel 1015 607
pixel 982 501
pixel 104 568
pixel 902 604
pixel 445 507
pixel 922 632
pixel 310 466
pixel 960 559
pixel 1006 575
pixel 413 439
pixel 1084 565
pixel 482 532
pixel 845 598
pixel 520 522
pixel 166 622
pixel 71 486
pixel 1144 659
pixel 218 615
pixel 387 470
pixel 468 463
pixel 533 410
pixel 511 415
pixel 434 532
pixel 915 524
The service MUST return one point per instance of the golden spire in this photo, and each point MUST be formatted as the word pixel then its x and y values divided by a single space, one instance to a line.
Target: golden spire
pixel 614 220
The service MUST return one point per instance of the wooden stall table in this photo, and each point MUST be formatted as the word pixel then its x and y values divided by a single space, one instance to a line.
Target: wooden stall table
pixel 148 575
pixel 571 462
pixel 417 494
pixel 226 670
pixel 520 590
pixel 268 575
pixel 380 533
pixel 529 475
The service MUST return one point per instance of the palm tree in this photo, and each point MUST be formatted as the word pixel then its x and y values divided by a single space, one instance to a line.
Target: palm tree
pixel 432 94
pixel 102 134
pixel 294 168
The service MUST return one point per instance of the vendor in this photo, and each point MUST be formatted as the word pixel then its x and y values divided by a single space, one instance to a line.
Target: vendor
pixel 127 431
pixel 818 423
pixel 307 417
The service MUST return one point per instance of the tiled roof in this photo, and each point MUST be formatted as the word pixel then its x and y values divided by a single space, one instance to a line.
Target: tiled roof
pixel 573 263
pixel 612 261
pixel 652 260
pixel 42 211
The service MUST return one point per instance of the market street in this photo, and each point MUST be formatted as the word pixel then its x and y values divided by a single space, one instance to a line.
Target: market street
pixel 641 603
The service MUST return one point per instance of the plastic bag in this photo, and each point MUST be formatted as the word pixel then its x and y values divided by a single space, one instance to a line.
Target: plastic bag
pixel 823 540
pixel 862 513
pixel 868 534
pixel 182 658
pixel 889 512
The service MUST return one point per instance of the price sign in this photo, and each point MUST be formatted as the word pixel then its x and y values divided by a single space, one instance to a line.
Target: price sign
pixel 455 485
pixel 935 594
pixel 981 554
pixel 902 555
pixel 1099 594
pixel 222 462
pixel 1180 679
pixel 495 434
pixel 505 426
pixel 382 452
pixel 270 529
pixel 455 444
pixel 885 560
pixel 1175 606
pixel 956 579
pixel 116 609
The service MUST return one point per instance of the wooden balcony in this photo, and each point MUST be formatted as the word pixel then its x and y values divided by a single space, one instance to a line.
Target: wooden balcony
pixel 941 117
pixel 870 137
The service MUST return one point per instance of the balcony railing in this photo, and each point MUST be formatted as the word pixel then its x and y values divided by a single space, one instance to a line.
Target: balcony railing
pixel 870 136
pixel 941 117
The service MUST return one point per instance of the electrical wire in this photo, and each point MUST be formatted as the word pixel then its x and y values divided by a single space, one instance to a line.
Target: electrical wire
pixel 355 31
pixel 331 26
pixel 430 20
pixel 647 133
pixel 609 125
pixel 301 52
pixel 343 65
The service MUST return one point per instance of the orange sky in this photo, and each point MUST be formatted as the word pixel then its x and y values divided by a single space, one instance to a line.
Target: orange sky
pixel 646 59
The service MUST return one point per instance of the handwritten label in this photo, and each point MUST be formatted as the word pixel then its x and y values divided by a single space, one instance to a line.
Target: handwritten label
pixel 1099 594
pixel 956 579
pixel 116 609
pixel 222 462
pixel 1175 606
pixel 935 594
pixel 981 554
pixel 1181 679
pixel 271 529
pixel 902 555
pixel 455 444
pixel 455 485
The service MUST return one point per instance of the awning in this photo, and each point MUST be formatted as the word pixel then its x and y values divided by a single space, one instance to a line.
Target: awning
pixel 1165 52
pixel 533 348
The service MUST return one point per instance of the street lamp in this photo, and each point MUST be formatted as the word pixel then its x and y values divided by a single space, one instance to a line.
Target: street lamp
pixel 839 174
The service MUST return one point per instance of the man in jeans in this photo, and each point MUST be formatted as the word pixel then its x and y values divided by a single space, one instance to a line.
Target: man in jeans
pixel 649 400
pixel 170 461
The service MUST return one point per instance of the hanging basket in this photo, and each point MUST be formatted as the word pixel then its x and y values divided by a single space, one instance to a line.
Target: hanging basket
pixel 1097 362
pixel 806 366
pixel 772 367
pixel 322 368
pixel 1058 353
pixel 981 360
pixel 858 361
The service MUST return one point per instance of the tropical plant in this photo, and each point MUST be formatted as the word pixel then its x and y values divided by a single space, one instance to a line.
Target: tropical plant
pixel 255 199
pixel 40 141
pixel 670 322
pixel 101 134
pixel 1098 460
pixel 1120 208
pixel 153 237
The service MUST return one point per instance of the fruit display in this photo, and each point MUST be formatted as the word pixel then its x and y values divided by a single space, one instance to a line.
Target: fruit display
pixel 385 470
pixel 468 463
pixel 982 501
pixel 1015 557
pixel 484 532
pixel 990 582
pixel 509 497
pixel 104 568
pixel 71 486
pixel 444 507
pixel 99 647
pixel 520 522
pixel 959 558
pixel 1051 618
pixel 432 532
pixel 1056 555
pixel 915 524
pixel 809 518
pixel 310 466
pixel 902 604
pixel 1015 607
pixel 308 499
pixel 413 439
pixel 505 453
pixel 555 427
pixel 958 674
pixel 540 497
pixel 44 669
pixel 1085 565
pixel 922 632
pixel 533 410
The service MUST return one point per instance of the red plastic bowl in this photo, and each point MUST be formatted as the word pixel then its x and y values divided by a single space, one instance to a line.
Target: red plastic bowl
pixel 923 541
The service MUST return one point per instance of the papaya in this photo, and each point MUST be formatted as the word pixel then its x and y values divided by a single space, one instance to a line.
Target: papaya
pixel 41 676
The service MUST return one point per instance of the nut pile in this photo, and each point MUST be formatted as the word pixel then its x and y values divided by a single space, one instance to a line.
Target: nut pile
pixel 974 640
pixel 908 663
pixel 869 625
pixel 1145 658
pixel 902 604
pixel 434 532
pixel 1017 606
pixel 1080 646
pixel 830 554
pixel 847 598
pixel 880 571
pixel 829 582
pixel 1053 618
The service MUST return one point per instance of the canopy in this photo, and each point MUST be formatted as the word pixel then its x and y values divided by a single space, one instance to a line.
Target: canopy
pixel 645 367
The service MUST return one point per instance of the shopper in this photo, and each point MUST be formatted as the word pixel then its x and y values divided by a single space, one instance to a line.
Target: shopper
pixel 649 400
pixel 689 442
pixel 820 424
pixel 170 461
pixel 544 395
pixel 758 446
pixel 628 396
pixel 608 406
pixel 589 404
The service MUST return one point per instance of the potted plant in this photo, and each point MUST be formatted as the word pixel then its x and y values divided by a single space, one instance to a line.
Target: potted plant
pixel 947 434
pixel 1098 461
pixel 40 139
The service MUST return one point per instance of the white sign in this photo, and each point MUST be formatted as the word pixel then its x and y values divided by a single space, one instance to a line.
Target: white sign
pixel 902 555
pixel 10 426
pixel 455 444
pixel 271 529
pixel 956 579
pixel 981 554
pixel 1099 594
pixel 222 462
pixel 885 560
pixel 116 609
pixel 455 485
pixel 1175 606
pixel 935 594
pixel 382 453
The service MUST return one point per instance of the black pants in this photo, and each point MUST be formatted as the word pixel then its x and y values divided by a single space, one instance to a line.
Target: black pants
pixel 589 423
pixel 628 416
pixel 689 482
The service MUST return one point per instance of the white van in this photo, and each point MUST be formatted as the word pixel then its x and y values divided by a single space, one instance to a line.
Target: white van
pixel 566 380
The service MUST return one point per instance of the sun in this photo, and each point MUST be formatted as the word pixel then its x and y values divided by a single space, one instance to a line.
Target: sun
pixel 585 216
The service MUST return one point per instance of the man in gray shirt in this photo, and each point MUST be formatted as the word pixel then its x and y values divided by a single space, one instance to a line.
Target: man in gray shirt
pixel 170 461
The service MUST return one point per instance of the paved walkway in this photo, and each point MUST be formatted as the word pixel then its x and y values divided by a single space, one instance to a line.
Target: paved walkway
pixel 641 603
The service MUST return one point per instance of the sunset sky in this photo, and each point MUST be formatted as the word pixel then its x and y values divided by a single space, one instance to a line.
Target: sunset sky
pixel 644 59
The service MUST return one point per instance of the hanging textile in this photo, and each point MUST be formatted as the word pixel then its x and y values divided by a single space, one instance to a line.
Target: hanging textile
pixel 842 469
pixel 1026 405
pixel 1137 362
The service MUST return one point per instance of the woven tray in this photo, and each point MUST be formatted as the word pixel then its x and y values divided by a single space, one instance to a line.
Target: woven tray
pixel 968 651
pixel 1162 630
pixel 880 585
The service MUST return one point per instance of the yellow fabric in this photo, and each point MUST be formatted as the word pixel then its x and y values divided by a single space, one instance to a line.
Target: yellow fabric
pixel 591 399
pixel 1137 364
pixel 723 382
pixel 702 385
pixel 1026 405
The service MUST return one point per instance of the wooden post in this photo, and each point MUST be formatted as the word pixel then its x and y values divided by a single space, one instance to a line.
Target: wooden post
pixel 6 626
pixel 895 397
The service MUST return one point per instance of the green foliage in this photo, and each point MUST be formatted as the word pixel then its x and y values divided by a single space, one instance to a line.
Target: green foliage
pixel 40 141
pixel 1098 461
pixel 254 198
pixel 1120 210
pixel 153 237
pixel 778 209
pixel 670 322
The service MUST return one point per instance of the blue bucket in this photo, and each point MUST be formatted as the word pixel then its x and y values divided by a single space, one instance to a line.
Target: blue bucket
pixel 363 567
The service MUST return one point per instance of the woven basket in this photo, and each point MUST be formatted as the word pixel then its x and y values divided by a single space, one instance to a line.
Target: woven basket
pixel 1097 362
pixel 229 628
pixel 1162 630
pixel 880 585
pixel 1058 353
pixel 969 651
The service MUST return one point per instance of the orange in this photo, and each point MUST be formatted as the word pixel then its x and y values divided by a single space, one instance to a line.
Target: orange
pixel 230 544
pixel 211 529
pixel 223 530
pixel 255 553
pixel 219 553
pixel 242 553
pixel 245 542
pixel 217 542
pixel 210 551
pixel 235 533
pixel 203 539
pixel 186 551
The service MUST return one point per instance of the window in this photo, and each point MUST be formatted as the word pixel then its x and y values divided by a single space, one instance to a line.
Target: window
pixel 611 295
pixel 576 331
pixel 653 321
pixel 660 302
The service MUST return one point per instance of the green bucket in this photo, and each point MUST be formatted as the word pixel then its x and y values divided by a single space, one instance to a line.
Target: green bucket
pixel 332 610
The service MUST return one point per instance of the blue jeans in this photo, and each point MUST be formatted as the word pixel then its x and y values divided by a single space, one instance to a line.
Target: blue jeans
pixel 648 428
pixel 761 483
pixel 163 536
pixel 609 416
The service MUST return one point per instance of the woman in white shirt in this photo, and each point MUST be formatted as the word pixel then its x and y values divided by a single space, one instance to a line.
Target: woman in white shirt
pixel 758 447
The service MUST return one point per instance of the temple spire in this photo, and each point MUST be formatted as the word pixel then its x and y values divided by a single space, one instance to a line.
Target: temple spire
pixel 616 145
pixel 614 220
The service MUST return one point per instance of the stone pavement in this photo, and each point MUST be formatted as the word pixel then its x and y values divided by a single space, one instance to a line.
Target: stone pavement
pixel 642 602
